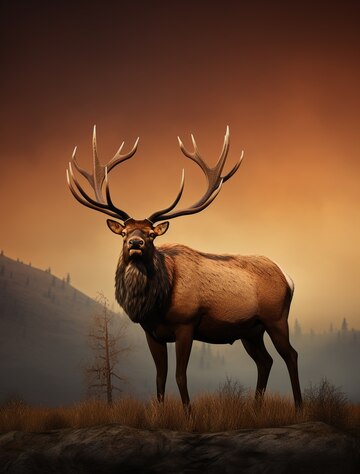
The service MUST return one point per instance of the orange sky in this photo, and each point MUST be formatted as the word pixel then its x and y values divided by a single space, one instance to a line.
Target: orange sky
pixel 284 78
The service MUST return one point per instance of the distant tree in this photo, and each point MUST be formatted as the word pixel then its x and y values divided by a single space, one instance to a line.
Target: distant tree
pixel 344 325
pixel 68 280
pixel 297 329
pixel 1 253
pixel 107 349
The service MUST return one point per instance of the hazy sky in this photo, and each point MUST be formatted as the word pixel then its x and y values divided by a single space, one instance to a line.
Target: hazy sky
pixel 283 75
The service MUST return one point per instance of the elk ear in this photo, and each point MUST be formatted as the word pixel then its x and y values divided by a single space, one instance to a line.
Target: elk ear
pixel 115 226
pixel 160 229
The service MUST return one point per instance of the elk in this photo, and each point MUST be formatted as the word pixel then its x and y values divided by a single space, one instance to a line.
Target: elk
pixel 178 294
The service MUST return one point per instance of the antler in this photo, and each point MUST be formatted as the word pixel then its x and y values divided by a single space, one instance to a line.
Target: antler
pixel 96 180
pixel 213 176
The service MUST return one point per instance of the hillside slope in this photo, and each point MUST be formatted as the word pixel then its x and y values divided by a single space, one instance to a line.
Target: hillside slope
pixel 44 323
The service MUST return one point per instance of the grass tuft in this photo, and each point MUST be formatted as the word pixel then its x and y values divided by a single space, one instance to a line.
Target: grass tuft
pixel 327 403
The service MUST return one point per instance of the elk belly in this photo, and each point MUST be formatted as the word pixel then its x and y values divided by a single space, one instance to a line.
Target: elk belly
pixel 215 331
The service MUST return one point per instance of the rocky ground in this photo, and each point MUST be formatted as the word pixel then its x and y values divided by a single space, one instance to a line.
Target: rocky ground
pixel 306 448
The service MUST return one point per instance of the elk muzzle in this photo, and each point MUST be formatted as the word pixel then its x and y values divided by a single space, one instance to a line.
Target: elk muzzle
pixel 135 246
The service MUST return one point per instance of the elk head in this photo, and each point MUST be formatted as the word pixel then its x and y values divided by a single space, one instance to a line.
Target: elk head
pixel 139 235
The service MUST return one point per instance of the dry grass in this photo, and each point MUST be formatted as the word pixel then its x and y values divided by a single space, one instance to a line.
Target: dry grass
pixel 327 403
pixel 230 408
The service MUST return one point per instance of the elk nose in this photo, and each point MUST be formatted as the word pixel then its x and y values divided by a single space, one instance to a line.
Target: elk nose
pixel 136 242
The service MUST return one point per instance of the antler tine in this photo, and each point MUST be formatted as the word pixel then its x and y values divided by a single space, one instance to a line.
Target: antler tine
pixel 86 175
pixel 195 155
pixel 224 152
pixel 119 212
pixel 84 201
pixel 154 216
pixel 191 209
pixel 99 170
pixel 118 158
pixel 96 180
pixel 101 206
pixel 213 177
pixel 212 174
pixel 235 168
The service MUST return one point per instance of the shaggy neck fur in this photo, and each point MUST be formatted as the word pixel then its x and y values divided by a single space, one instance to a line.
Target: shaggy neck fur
pixel 143 288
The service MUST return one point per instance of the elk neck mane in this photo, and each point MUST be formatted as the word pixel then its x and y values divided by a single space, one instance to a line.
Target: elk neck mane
pixel 143 288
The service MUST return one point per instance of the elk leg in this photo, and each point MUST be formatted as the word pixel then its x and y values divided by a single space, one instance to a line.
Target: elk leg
pixel 159 352
pixel 183 344
pixel 279 334
pixel 263 360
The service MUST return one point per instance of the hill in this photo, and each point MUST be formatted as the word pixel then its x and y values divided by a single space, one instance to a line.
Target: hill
pixel 43 334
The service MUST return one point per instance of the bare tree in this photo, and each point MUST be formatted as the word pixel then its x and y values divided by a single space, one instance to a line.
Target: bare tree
pixel 108 346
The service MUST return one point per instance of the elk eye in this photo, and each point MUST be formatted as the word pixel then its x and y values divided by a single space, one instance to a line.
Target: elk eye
pixel 123 234
pixel 152 235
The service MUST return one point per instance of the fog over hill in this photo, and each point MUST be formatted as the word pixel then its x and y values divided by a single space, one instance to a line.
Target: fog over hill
pixel 43 331
pixel 44 326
